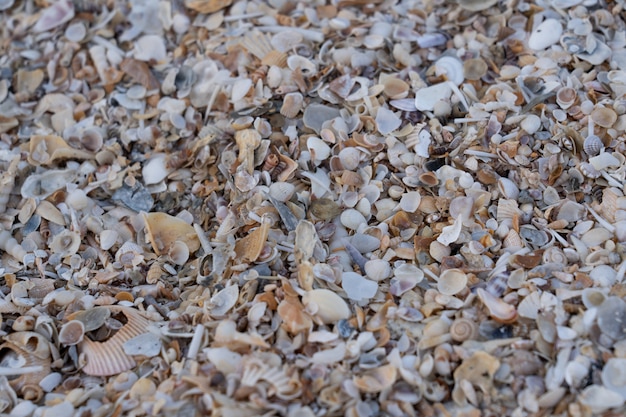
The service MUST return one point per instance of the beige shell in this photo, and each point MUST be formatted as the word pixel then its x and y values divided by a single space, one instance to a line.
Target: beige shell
pixel 376 380
pixel 249 248
pixel 479 370
pixel 566 97
pixel 207 6
pixel 108 357
pixel 292 104
pixel 179 252
pixel 72 332
pixel 463 329
pixel 65 243
pixel 604 116
pixel 328 306
pixel 164 230
pixel 47 149
pixel 452 281
pixel 498 309
pixel 31 350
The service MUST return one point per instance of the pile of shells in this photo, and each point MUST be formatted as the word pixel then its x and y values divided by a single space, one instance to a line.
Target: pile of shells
pixel 313 208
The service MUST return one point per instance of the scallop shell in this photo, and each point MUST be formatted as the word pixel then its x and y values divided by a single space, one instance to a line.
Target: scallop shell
pixel 108 357
pixel 164 230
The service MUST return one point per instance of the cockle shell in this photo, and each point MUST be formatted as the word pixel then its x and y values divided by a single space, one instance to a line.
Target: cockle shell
pixel 592 145
pixel 108 357
pixel 292 104
pixel 163 230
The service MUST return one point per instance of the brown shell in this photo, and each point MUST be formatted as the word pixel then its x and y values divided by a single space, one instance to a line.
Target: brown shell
pixel 108 358
pixel 34 350
pixel 249 248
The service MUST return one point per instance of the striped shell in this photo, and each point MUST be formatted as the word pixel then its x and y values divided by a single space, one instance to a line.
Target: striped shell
pixel 592 145
pixel 292 104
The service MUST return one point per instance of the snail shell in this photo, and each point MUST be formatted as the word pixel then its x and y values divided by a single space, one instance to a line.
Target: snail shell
pixel 463 329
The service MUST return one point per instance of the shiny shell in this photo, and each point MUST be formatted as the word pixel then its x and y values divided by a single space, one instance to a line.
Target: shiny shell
pixel 452 281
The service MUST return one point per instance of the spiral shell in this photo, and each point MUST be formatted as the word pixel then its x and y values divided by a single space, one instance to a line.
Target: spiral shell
pixel 463 329
pixel 554 255
pixel 592 145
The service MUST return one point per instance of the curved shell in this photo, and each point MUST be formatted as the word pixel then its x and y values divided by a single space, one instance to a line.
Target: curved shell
pixel 108 357
pixel 224 300
pixel 376 380
pixel 72 332
pixel 452 281
pixel 326 305
pixel 451 68
pixel 65 243
pixel 164 230
pixel 47 149
pixel 498 309
pixel 566 97
pixel 614 375
pixel 592 145
pixel 292 104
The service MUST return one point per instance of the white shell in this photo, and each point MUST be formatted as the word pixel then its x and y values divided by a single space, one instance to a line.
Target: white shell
pixel 155 170
pixel 452 281
pixel 377 269
pixel 451 67
pixel 508 188
pixel 426 97
pixel 76 32
pixel 224 300
pixel 357 287
pixel 329 307
pixel 614 375
pixel 352 219
pixel 546 34
pixel 282 191
pixel 531 123
pixel 150 48
pixel 599 398
pixel 387 121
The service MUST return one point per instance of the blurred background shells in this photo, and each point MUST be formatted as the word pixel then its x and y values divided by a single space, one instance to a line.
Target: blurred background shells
pixel 288 208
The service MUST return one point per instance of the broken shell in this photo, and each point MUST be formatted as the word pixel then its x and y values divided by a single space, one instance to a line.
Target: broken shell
pixel 178 252
pixel 45 150
pixel 498 309
pixel 600 399
pixel 326 305
pixel 249 248
pixel 72 332
pixel 108 357
pixel 450 67
pixel 292 104
pixel 611 318
pixel 164 230
pixel 224 300
pixel 452 281
pixel 376 380
pixel 508 189
pixel 65 243
pixel 27 350
pixel 604 116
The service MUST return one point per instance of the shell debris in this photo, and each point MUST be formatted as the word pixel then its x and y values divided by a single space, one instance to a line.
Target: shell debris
pixel 277 207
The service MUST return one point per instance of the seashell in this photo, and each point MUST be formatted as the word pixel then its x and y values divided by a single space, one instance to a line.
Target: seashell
pixel 533 237
pixel 308 67
pixel 479 370
pixel 207 6
pixel 326 305
pixel 410 201
pixel 48 149
pixel 554 255
pixel 357 287
pixel 387 121
pixel 164 230
pixel 48 211
pixel 546 34
pixel 249 248
pixel 611 318
pixel 178 252
pixel 150 48
pixel 566 97
pixel 463 329
pixel 395 88
pixel 11 246
pixel 593 297
pixel 508 189
pixel 324 209
pixel 223 301
pixel 498 309
pixel 604 116
pixel 452 281
pixel 105 358
pixel 476 5
pixel 377 269
pixel 282 191
pixel 352 219
pixel 451 68
pixel 474 68
pixel 531 124
pixel 28 350
pixel 376 380
pixel 427 97
pixel 450 234
pixel 292 104
pixel 570 211
pixel 592 145
pixel 599 399
pixel 72 333
pixel 596 237
pixel 76 32
pixel 292 312
pixel 319 149
pixel 65 243
pixel 57 14
pixel 613 375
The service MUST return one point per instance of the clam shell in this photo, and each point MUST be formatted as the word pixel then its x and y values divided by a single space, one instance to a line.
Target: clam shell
pixel 546 34
pixel 604 116
pixel 223 301
pixel 566 97
pixel 450 67
pixel 292 104
pixel 72 332
pixel 108 357
pixel 452 281
pixel 376 380
pixel 498 309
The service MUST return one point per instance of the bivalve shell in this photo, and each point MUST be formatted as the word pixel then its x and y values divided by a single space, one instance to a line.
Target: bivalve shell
pixel 328 306
pixel 452 281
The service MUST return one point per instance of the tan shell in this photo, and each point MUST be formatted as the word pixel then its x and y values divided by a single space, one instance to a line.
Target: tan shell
pixel 376 380
pixel 72 332
pixel 207 6
pixel 479 370
pixel 163 230
pixel 47 149
pixel 452 281
pixel 292 104
pixel 249 248
pixel 498 309
pixel 329 307
pixel 463 329
pixel 108 358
